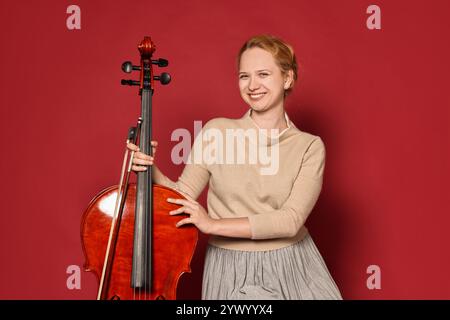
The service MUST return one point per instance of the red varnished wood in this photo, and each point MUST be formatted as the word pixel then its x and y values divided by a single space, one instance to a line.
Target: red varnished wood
pixel 172 251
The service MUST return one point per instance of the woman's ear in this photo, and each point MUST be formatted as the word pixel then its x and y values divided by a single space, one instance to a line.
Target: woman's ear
pixel 289 78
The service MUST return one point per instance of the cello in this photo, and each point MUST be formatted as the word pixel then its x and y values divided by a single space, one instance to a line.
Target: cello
pixel 129 240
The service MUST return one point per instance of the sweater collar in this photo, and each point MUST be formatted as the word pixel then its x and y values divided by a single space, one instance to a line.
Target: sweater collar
pixel 250 123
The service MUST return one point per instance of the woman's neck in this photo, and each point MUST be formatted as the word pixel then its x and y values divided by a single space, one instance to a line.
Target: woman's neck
pixel 270 119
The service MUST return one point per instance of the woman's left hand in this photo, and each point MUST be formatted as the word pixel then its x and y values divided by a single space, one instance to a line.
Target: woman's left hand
pixel 198 215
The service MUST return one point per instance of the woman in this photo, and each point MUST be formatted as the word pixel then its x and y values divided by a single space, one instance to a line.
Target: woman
pixel 259 247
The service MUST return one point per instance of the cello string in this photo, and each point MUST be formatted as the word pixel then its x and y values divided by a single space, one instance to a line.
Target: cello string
pixel 145 231
pixel 135 140
pixel 151 225
pixel 130 164
pixel 149 190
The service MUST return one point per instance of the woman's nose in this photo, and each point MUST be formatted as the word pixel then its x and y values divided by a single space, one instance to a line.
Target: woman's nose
pixel 253 83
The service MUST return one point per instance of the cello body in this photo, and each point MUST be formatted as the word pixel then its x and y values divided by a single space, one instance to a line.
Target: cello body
pixel 173 247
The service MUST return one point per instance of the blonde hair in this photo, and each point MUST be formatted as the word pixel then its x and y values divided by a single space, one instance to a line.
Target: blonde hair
pixel 282 52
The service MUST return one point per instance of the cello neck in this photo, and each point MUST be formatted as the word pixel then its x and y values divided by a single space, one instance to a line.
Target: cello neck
pixel 142 252
pixel 141 276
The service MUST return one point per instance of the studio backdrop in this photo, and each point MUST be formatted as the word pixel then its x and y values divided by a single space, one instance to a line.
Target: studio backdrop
pixel 373 84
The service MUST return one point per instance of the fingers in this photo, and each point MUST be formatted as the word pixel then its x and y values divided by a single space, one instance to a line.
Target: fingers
pixel 139 168
pixel 184 202
pixel 133 147
pixel 141 160
pixel 181 210
pixel 154 144
pixel 189 206
pixel 183 222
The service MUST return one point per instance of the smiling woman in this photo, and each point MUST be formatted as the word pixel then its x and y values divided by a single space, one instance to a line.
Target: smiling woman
pixel 262 83
pixel 259 247
pixel 276 55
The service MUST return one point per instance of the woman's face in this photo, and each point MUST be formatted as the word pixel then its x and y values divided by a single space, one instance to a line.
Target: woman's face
pixel 261 82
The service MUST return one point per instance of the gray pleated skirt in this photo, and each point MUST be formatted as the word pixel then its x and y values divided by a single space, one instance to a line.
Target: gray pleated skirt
pixel 296 272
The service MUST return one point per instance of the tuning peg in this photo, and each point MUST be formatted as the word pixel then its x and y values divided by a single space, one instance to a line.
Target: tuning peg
pixel 127 67
pixel 161 62
pixel 164 78
pixel 129 82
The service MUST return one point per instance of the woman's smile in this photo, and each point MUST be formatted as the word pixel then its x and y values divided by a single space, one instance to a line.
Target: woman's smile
pixel 256 96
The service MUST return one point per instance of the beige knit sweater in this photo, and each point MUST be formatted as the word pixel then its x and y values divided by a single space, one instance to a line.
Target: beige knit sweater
pixel 277 201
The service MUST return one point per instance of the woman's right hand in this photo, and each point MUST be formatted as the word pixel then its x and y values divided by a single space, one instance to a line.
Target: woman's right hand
pixel 142 160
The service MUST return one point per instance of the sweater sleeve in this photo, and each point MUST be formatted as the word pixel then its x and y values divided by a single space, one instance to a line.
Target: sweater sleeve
pixel 287 221
pixel 195 174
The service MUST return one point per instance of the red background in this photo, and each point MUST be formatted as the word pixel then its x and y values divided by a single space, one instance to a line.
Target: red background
pixel 378 98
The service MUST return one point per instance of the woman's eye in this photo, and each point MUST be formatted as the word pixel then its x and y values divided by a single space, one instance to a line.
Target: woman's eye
pixel 242 76
pixel 263 74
